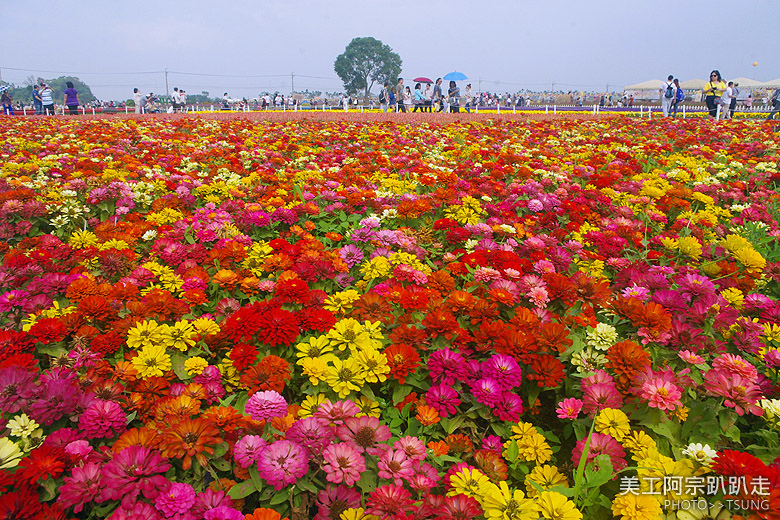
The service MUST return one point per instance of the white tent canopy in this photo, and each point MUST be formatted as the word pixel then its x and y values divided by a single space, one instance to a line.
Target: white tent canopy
pixel 653 84
pixel 773 83
pixel 747 82
pixel 693 84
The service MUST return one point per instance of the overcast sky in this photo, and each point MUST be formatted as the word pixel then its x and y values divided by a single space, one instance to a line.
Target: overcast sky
pixel 508 44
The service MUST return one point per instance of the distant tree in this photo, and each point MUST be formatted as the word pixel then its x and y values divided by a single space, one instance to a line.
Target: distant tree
pixel 364 62
pixel 24 94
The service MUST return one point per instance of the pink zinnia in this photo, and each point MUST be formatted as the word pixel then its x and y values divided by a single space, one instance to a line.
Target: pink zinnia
pixel 247 450
pixel 266 405
pixel 424 478
pixel 311 433
pixel 333 500
pixel 661 394
pixel 737 392
pixel 690 357
pixel 509 407
pixel 487 392
pixel 599 396
pixel 283 463
pixel 178 499
pixel 79 489
pixel 364 434
pixel 136 469
pixel 103 419
pixel 735 365
pixel 601 444
pixel 504 370
pixel 413 447
pixel 334 414
pixel 393 464
pixel 343 463
pixel 134 511
pixel 443 398
pixel 223 513
pixel 569 408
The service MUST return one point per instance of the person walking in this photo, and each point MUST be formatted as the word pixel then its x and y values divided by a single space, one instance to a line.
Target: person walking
pixel 175 100
pixel 47 98
pixel 679 96
pixel 225 102
pixel 734 96
pixel 713 90
pixel 71 99
pixel 408 99
pixel 667 95
pixel 419 98
pixel 428 98
pixel 437 95
pixel 453 97
pixel 469 98
pixel 725 100
pixel 399 96
pixel 37 103
pixel 384 97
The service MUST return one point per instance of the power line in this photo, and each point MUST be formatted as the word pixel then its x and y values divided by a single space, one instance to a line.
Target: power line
pixel 74 72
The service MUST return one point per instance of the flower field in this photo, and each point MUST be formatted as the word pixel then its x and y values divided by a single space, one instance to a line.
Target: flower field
pixel 366 318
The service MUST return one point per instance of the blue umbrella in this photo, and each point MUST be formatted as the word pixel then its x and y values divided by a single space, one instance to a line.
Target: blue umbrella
pixel 455 76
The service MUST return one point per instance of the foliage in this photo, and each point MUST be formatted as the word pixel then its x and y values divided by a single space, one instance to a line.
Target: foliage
pixel 364 62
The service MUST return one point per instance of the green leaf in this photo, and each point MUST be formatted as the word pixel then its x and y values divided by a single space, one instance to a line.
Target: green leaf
pixel 596 478
pixel 400 392
pixel 131 417
pixel 256 480
pixel 512 451
pixel 280 497
pixel 367 482
pixel 242 490
pixel 450 425
pixel 221 465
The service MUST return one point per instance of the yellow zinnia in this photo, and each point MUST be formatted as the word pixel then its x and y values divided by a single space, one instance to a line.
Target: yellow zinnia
pixel 10 454
pixel 636 507
pixel 152 361
pixel 546 477
pixel 613 422
pixel 504 503
pixel 750 258
pixel 470 482
pixel 555 506
pixel 344 377
pixel 145 334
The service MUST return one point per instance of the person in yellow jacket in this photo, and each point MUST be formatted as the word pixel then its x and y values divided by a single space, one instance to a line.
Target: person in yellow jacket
pixel 713 90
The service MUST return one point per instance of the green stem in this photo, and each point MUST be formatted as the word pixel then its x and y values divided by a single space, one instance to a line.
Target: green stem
pixel 581 466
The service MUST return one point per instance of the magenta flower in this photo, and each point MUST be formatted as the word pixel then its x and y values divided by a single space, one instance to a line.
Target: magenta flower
pixel 509 407
pixel 364 434
pixel 266 405
pixel 569 408
pixel 103 419
pixel 486 391
pixel 443 398
pixel 223 513
pixel 504 370
pixel 178 499
pixel 247 450
pixel 209 500
pixel 690 357
pixel 343 463
pixel 13 382
pixel 134 511
pixel 283 463
pixel 333 500
pixel 351 255
pixel 601 444
pixel 311 433
pixel 735 365
pixel 446 366
pixel 661 393
pixel 81 487
pixel 424 478
pixel 136 469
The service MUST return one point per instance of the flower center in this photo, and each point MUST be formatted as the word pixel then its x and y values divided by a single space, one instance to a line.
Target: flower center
pixel 365 436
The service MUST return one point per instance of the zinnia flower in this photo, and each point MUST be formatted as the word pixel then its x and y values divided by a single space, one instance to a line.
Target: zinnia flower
pixel 103 419
pixel 178 499
pixel 282 463
pixel 343 463
pixel 555 506
pixel 136 469
pixel 265 405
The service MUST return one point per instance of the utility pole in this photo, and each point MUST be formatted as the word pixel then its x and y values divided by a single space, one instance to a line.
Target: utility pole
pixel 292 83
pixel 553 86
pixel 167 92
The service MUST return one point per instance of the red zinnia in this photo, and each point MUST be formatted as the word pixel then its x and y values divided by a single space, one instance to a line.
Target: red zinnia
pixel 42 463
pixel 48 330
pixel 278 327
pixel 243 355
pixel 403 360
pixel 270 374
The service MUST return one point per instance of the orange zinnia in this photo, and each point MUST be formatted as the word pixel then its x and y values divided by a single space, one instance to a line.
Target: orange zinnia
pixel 226 278
pixel 263 513
pixel 439 448
pixel 190 438
pixel 176 408
pixel 427 415
pixel 142 436
pixel 226 418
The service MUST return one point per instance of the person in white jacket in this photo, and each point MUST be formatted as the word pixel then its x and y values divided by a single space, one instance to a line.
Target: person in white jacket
pixel 667 94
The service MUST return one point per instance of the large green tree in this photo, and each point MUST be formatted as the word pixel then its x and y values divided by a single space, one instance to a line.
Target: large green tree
pixel 364 62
